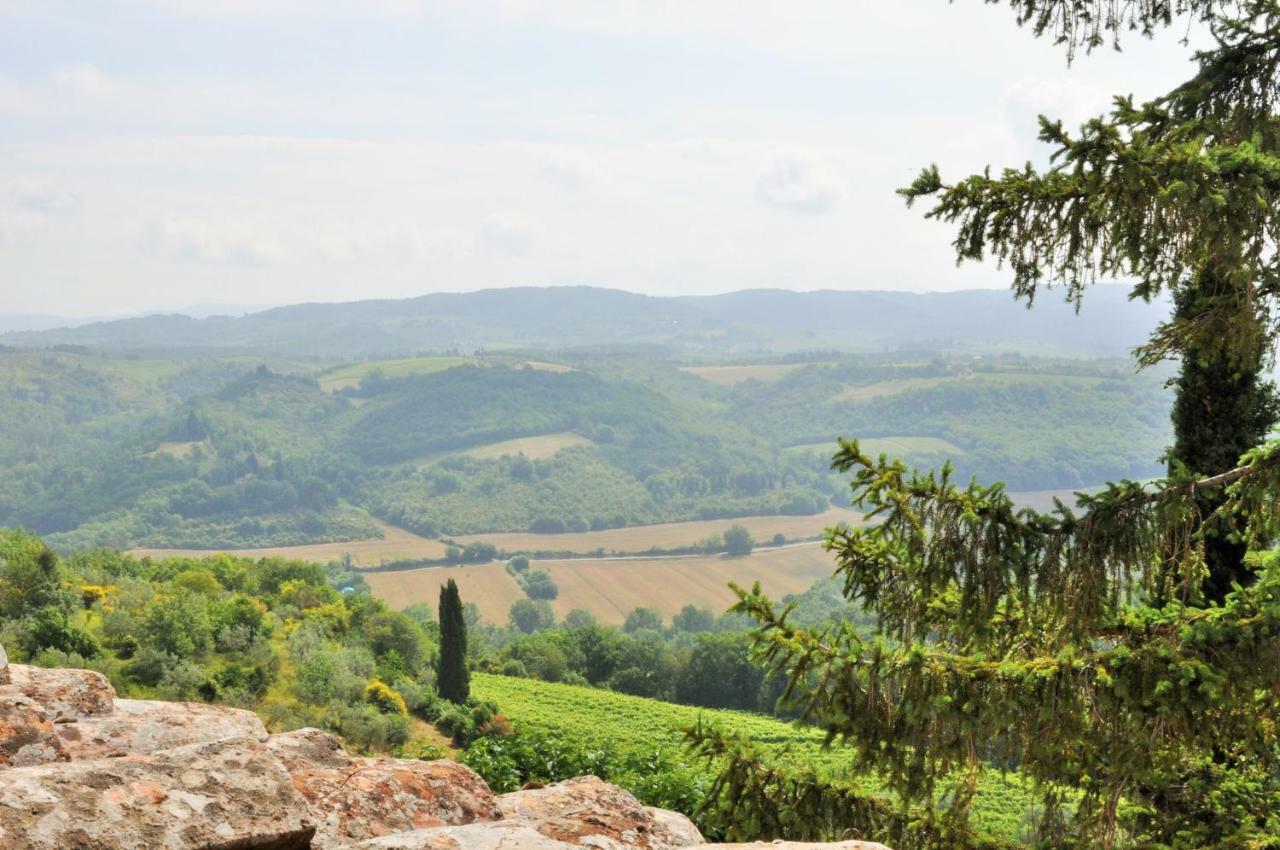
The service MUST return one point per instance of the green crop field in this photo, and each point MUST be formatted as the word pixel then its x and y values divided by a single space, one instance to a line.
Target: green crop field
pixel 626 723
pixel 350 376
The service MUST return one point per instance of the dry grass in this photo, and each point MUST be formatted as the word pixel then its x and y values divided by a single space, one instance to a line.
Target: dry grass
pixel 1042 500
pixel 886 388
pixel 669 535
pixel 396 544
pixel 178 450
pixel 730 375
pixel 895 446
pixel 544 366
pixel 611 589
pixel 535 448
pixel 487 585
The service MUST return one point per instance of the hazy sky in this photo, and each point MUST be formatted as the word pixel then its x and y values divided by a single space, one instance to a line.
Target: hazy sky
pixel 160 153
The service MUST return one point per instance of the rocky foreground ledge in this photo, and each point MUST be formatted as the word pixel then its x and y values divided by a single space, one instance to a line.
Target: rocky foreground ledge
pixel 80 769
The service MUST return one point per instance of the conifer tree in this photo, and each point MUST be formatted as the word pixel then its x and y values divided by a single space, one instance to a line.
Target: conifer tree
pixel 1124 654
pixel 453 679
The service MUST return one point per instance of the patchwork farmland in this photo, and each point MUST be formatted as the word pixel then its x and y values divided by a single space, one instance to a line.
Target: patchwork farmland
pixel 610 589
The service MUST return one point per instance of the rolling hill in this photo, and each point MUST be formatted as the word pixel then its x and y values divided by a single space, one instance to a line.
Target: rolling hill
pixel 570 317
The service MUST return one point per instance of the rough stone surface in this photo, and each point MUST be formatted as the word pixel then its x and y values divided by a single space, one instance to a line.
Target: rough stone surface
pixel 230 795
pixel 510 835
pixel 64 694
pixel 494 836
pixel 80 769
pixel 145 726
pixel 4 666
pixel 796 845
pixel 354 798
pixel 27 735
pixel 589 811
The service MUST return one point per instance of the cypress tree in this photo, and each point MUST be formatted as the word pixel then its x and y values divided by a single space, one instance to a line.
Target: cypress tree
pixel 453 679
pixel 1121 653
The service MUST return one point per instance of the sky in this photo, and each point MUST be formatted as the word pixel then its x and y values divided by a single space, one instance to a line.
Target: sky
pixel 159 154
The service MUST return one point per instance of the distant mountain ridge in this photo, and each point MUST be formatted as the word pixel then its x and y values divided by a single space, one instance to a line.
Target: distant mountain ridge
pixel 741 323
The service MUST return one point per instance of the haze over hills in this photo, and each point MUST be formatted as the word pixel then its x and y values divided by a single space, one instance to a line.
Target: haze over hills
pixel 744 322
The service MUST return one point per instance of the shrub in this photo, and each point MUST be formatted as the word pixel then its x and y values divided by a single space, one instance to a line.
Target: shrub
pixel 538 585
pixel 378 694
pixel 422 750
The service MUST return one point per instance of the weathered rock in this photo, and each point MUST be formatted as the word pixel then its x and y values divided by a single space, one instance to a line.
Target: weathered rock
pixel 488 836
pixel 677 829
pixel 589 811
pixel 229 795
pixel 145 726
pixel 4 666
pixel 354 798
pixel 27 735
pixel 80 769
pixel 510 835
pixel 795 845
pixel 64 694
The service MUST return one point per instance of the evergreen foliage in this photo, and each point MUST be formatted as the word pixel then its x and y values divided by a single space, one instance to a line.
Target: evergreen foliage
pixel 453 679
pixel 1122 654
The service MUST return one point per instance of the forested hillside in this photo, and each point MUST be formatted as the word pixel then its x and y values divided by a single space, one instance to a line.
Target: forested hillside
pixel 558 317
pixel 242 451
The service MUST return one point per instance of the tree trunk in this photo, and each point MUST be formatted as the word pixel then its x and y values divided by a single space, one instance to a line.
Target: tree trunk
pixel 1223 407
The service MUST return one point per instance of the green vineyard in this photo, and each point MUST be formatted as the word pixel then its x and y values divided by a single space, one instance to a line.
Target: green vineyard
pixel 636 725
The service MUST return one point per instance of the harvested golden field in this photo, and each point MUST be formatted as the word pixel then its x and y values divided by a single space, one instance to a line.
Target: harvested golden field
pixel 886 388
pixel 487 585
pixel 670 535
pixel 1042 500
pixel 535 448
pixel 544 366
pixel 730 375
pixel 895 446
pixel 396 544
pixel 610 589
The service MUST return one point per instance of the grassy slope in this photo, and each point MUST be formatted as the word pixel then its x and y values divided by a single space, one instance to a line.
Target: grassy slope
pixel 350 375
pixel 596 716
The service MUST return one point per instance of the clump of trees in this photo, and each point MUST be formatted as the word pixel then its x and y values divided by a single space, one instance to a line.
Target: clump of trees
pixel 270 634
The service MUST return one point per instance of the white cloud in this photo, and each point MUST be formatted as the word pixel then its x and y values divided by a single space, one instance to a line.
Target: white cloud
pixel 574 172
pixel 205 243
pixel 1061 98
pixel 37 197
pixel 14 97
pixel 86 80
pixel 508 233
pixel 798 183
